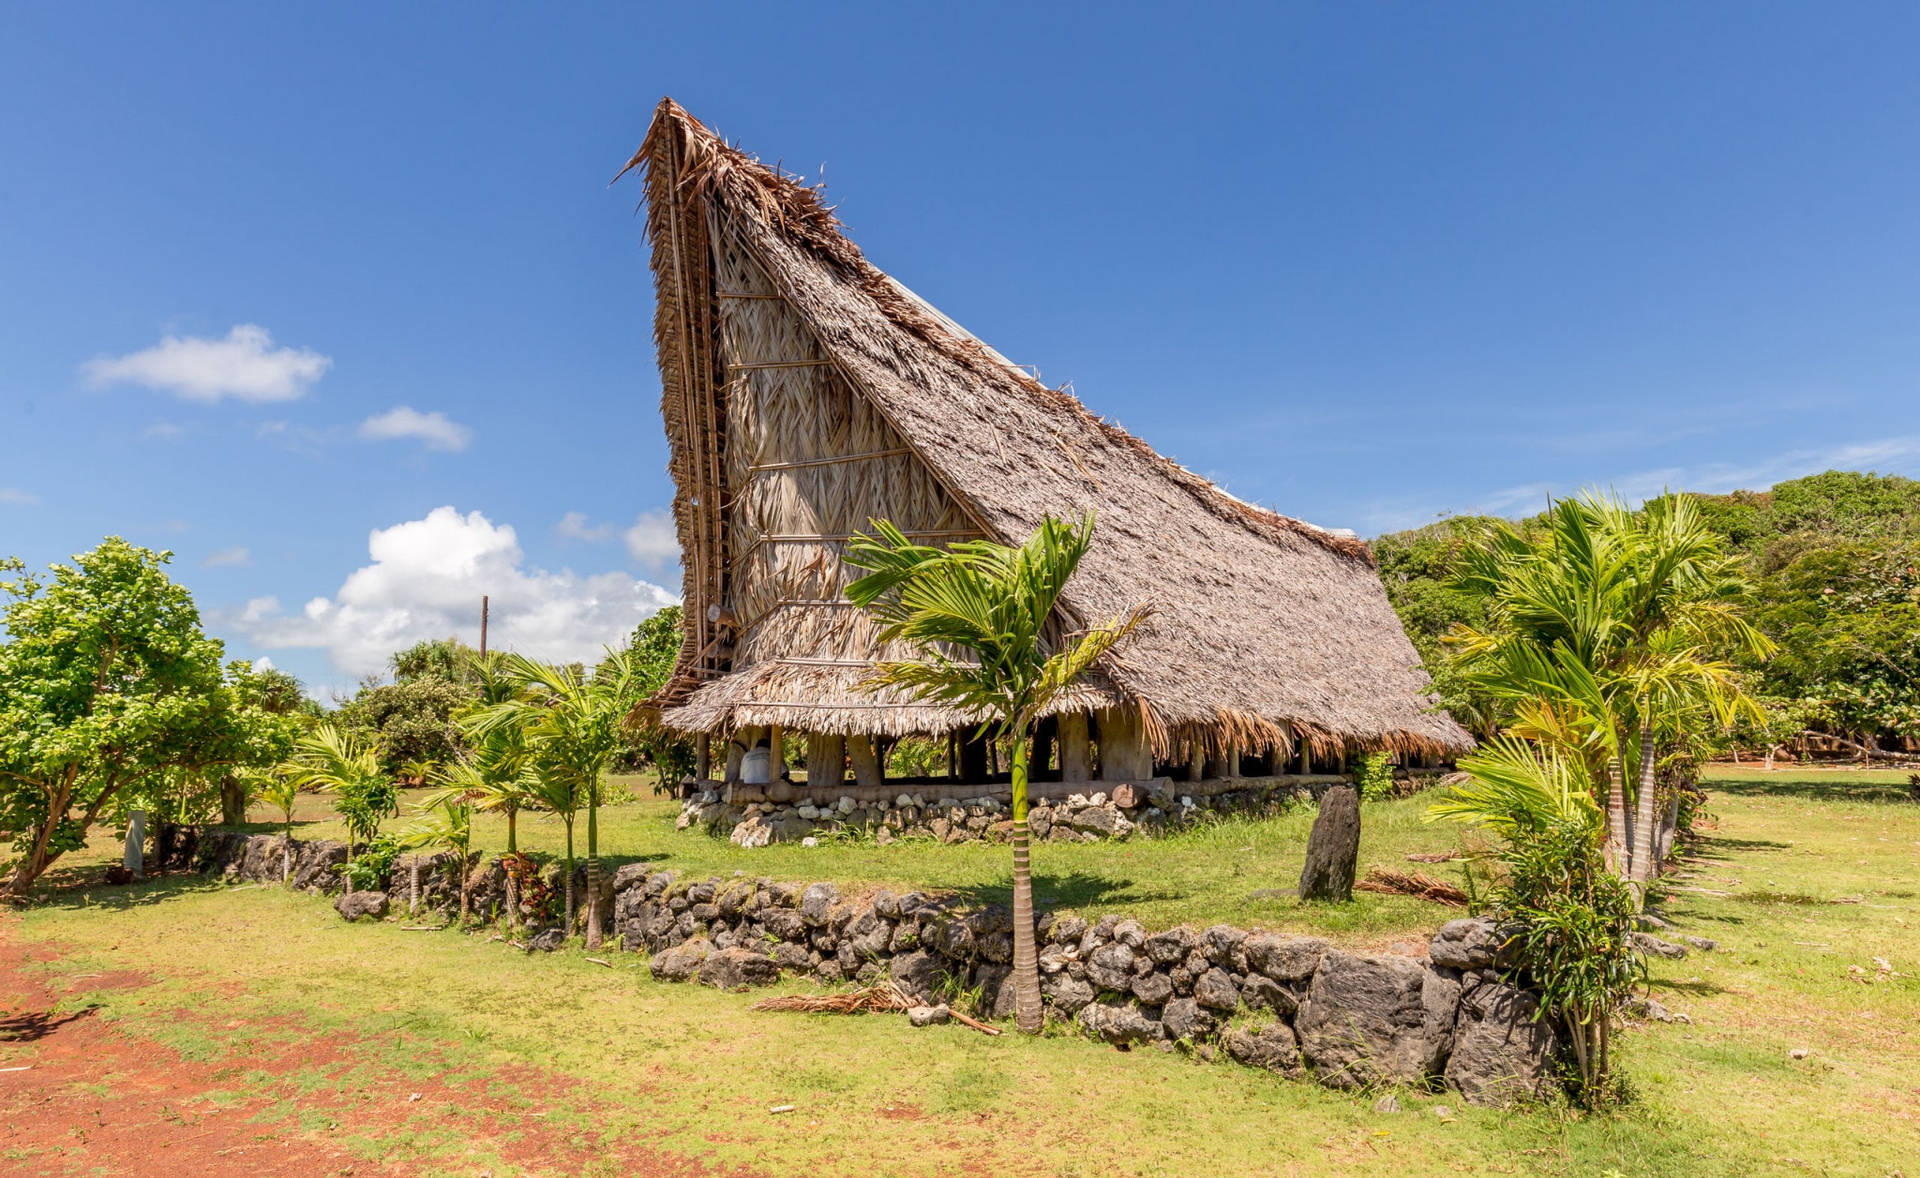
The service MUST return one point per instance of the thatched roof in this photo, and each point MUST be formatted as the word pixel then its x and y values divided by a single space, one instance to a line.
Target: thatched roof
pixel 1267 629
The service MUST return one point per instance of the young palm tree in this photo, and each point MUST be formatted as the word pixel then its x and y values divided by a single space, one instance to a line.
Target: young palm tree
pixel 991 604
pixel 1599 636
pixel 446 824
pixel 342 764
pixel 498 758
pixel 281 790
pixel 571 724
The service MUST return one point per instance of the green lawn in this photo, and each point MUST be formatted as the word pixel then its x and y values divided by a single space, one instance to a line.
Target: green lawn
pixel 1205 875
pixel 1804 880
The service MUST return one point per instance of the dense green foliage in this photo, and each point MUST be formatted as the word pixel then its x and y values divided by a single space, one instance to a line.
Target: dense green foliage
pixel 651 653
pixel 1834 565
pixel 110 694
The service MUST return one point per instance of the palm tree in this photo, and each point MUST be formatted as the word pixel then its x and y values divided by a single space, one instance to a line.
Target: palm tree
pixel 557 795
pixel 1600 637
pixel 348 767
pixel 498 759
pixel 446 823
pixel 281 789
pixel 991 604
pixel 571 724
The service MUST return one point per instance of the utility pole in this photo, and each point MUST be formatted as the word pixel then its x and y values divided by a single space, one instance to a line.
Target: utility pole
pixel 483 625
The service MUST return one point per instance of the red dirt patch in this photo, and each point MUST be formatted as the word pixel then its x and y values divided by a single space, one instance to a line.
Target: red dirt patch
pixel 95 1099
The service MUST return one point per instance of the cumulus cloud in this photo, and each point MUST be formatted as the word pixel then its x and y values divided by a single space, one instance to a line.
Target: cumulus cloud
pixel 245 366
pixel 17 497
pixel 405 422
pixel 236 557
pixel 653 541
pixel 425 581
pixel 575 526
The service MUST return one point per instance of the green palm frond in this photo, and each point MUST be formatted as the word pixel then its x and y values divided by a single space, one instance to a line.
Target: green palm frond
pixel 1515 787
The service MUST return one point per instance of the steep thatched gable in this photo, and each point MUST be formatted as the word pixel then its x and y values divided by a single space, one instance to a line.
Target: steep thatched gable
pixel 1268 630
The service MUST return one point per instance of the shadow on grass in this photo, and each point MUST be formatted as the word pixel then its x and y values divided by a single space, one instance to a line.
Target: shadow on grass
pixel 1832 788
pixel 1078 890
pixel 88 889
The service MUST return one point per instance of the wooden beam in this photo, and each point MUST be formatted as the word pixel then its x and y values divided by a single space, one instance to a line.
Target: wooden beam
pixel 826 759
pixel 1124 753
pixel 1076 752
pixel 866 763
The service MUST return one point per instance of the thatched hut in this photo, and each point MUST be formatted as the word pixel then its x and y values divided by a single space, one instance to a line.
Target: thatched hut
pixel 806 393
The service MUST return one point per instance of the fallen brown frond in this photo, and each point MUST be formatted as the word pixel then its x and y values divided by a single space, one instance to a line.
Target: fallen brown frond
pixel 1412 883
pixel 1432 856
pixel 877 999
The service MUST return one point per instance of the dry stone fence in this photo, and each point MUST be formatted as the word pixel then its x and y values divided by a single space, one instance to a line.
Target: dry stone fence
pixel 1297 1006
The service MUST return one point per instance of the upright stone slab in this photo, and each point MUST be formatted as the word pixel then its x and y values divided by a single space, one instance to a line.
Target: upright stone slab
pixel 135 857
pixel 1333 846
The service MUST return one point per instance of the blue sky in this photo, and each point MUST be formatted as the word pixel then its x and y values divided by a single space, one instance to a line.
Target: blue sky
pixel 1363 263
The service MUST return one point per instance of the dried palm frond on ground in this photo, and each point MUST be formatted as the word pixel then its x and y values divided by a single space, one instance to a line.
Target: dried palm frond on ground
pixel 880 999
pixel 1432 856
pixel 1412 883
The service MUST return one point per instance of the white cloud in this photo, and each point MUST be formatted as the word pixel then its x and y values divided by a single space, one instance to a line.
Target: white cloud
pixel 235 557
pixel 406 422
pixel 574 526
pixel 653 541
pixel 245 366
pixel 263 663
pixel 18 497
pixel 425 581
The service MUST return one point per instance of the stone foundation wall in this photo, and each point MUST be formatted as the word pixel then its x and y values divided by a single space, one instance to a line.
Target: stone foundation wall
pixel 1297 1006
pixel 755 816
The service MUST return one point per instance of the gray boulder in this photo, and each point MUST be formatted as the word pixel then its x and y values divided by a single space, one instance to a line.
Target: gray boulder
pixel 1471 943
pixel 1068 994
pixel 1122 1026
pixel 1111 967
pixel 1152 989
pixel 917 974
pixel 680 962
pixel 1263 993
pixel 1221 944
pixel 547 940
pixel 1186 1020
pixel 361 905
pixel 1372 1020
pixel 736 969
pixel 1333 847
pixel 1284 959
pixel 928 1016
pixel 1171 946
pixel 1215 991
pixel 1502 1053
pixel 816 904
pixel 1273 1047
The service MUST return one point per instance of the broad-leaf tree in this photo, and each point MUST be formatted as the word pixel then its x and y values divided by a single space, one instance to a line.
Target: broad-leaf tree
pixel 107 685
pixel 978 615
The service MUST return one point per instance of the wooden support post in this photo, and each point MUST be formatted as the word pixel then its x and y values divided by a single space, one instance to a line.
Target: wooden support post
pixel 1124 755
pixel 703 757
pixel 1076 752
pixel 1196 759
pixel 742 740
pixel 826 759
pixel 866 764
pixel 1306 759
pixel 776 754
pixel 1233 763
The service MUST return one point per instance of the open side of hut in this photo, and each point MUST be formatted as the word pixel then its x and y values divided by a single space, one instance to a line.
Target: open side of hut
pixel 806 393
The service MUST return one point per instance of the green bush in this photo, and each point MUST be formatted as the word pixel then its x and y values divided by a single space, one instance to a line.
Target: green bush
pixel 1374 777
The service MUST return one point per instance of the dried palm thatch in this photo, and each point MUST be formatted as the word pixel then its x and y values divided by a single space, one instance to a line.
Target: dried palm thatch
pixel 880 998
pixel 1412 883
pixel 806 393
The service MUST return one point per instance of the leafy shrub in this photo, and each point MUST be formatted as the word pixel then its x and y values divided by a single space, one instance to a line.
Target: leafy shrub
pixel 1374 777
pixel 370 869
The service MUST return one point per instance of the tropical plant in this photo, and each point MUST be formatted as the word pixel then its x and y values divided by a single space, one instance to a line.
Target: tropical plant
pixel 500 779
pixel 1574 917
pixel 347 767
pixel 1374 777
pixel 652 651
pixel 1600 637
pixel 280 788
pixel 111 692
pixel 571 724
pixel 994 604
pixel 445 823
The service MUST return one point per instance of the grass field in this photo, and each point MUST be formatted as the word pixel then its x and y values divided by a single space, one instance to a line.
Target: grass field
pixel 307 1030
